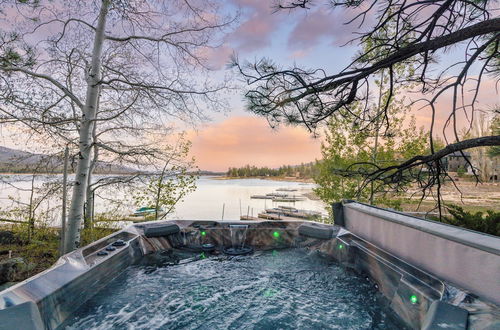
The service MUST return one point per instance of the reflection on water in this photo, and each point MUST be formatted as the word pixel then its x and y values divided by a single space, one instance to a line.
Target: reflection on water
pixel 207 202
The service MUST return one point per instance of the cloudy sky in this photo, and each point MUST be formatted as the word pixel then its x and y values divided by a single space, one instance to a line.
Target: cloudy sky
pixel 310 38
pixel 313 38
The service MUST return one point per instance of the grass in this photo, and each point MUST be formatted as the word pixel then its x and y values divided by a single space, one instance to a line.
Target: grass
pixel 42 250
pixel 427 205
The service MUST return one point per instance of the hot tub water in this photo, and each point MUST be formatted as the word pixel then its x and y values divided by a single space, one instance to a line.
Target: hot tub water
pixel 280 289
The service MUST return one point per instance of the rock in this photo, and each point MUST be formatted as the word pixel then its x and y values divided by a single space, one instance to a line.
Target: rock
pixel 9 268
pixel 8 237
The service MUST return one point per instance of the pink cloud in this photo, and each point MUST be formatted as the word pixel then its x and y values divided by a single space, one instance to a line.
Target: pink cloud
pixel 238 141
pixel 216 58
pixel 300 53
pixel 257 26
pixel 324 23
pixel 260 21
pixel 311 26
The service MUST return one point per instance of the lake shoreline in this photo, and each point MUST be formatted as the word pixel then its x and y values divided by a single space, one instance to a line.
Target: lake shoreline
pixel 69 173
pixel 269 178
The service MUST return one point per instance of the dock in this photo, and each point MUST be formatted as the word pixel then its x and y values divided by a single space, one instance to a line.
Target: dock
pixel 282 212
pixel 288 199
pixel 277 195
pixel 293 212
pixel 261 197
pixel 268 216
pixel 249 217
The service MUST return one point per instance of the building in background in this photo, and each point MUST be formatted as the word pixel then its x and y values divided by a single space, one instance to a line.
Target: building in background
pixel 457 160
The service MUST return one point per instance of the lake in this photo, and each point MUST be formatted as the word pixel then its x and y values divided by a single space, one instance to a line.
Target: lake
pixel 211 198
pixel 212 195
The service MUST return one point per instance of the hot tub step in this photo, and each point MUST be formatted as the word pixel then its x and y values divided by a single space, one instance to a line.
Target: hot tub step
pixel 442 315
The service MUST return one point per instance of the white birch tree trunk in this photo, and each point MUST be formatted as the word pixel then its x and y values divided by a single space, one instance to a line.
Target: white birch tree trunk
pixel 64 197
pixel 75 215
pixel 89 206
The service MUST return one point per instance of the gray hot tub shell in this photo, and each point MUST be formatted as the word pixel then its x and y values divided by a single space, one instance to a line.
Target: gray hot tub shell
pixel 422 268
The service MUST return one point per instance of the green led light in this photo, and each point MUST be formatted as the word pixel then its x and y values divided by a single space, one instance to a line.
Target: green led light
pixel 276 234
pixel 413 299
pixel 203 233
pixel 341 246
pixel 270 293
pixel 202 255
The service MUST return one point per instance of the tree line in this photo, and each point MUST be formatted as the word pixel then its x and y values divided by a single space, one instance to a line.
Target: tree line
pixel 303 171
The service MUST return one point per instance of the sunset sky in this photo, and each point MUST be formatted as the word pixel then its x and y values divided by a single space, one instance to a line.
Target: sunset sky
pixel 309 38
pixel 313 38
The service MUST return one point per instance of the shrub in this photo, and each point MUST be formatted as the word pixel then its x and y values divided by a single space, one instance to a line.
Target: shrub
pixel 461 172
pixel 488 223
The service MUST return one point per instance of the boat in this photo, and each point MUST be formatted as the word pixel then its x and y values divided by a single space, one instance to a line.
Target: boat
pixel 286 189
pixel 147 211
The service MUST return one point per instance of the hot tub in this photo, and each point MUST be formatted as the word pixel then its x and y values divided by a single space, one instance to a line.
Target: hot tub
pixel 266 274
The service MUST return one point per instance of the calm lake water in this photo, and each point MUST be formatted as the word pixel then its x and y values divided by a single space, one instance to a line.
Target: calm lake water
pixel 212 195
pixel 211 198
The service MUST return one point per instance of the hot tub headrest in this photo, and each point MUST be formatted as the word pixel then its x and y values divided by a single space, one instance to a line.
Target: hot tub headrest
pixel 161 230
pixel 204 223
pixel 316 231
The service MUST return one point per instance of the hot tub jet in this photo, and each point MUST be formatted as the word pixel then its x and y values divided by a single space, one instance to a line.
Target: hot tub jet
pixel 238 237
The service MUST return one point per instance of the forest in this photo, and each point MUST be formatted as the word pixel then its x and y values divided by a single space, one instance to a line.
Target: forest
pixel 302 171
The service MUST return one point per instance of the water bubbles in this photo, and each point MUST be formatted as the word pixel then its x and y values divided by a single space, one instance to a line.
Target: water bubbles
pixel 296 290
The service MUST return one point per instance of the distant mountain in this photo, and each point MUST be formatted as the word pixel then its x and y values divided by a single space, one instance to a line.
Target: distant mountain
pixel 18 161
